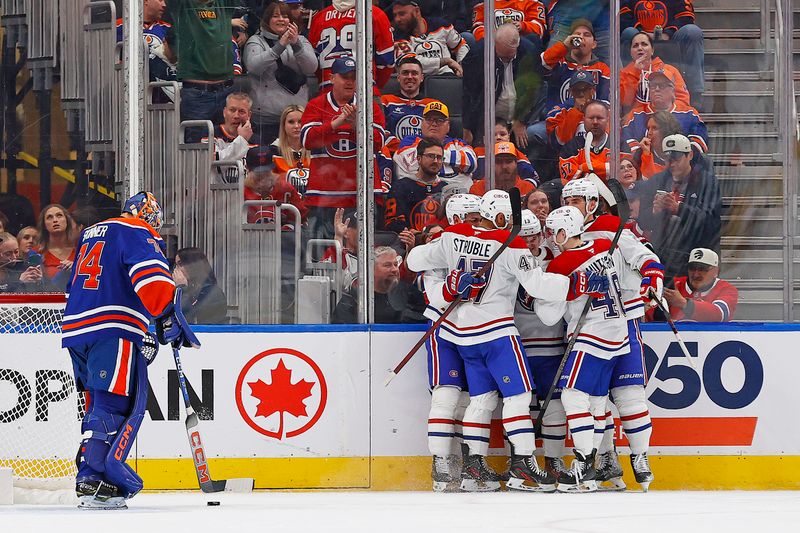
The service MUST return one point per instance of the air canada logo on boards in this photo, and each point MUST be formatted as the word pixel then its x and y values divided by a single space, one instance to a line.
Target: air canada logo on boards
pixel 281 393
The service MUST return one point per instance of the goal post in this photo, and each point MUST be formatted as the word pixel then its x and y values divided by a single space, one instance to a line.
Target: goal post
pixel 40 409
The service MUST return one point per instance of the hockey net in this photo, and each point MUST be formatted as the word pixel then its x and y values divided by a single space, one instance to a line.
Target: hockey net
pixel 40 409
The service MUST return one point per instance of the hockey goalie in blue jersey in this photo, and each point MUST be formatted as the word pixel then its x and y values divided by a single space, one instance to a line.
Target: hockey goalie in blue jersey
pixel 120 281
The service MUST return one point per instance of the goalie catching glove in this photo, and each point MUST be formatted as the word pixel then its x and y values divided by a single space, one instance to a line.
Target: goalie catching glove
pixel 652 279
pixel 462 284
pixel 172 327
pixel 580 283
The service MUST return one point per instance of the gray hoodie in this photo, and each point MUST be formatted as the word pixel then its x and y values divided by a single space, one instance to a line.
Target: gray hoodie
pixel 261 61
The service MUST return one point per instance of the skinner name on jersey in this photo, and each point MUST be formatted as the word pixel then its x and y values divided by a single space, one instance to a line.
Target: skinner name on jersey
pixel 95 231
pixel 464 246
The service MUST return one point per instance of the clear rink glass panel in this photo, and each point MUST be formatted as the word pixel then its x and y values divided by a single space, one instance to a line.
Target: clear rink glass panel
pixel 255 161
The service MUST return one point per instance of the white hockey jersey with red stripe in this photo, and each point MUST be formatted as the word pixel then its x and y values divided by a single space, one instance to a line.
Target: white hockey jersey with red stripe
pixel 491 314
pixel 605 331
pixel 538 338
pixel 634 254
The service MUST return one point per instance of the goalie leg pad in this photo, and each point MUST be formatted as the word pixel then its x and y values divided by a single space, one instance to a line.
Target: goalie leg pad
pixel 441 420
pixel 518 424
pixel 104 415
pixel 631 403
pixel 477 420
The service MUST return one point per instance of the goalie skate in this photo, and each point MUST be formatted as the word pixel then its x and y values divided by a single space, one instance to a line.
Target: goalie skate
pixel 478 476
pixel 609 471
pixel 525 474
pixel 99 496
pixel 641 470
pixel 581 475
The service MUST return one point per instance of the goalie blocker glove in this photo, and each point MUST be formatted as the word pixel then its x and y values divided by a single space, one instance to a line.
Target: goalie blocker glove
pixel 172 327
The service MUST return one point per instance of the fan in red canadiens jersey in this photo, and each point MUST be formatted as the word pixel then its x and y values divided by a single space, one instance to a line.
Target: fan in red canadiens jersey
pixel 120 281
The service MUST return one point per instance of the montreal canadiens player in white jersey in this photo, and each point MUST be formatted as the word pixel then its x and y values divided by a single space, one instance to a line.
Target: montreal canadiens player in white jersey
pixel 641 275
pixel 544 346
pixel 602 338
pixel 483 329
pixel 446 378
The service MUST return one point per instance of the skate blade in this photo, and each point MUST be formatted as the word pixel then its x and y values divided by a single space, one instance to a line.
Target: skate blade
pixel 585 486
pixel 515 483
pixel 90 503
pixel 445 486
pixel 614 485
pixel 472 485
pixel 645 485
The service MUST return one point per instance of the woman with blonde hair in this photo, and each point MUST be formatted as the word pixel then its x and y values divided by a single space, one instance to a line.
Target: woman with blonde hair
pixel 292 158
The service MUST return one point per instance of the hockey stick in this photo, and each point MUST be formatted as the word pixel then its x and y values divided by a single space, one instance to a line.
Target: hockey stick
pixel 621 208
pixel 196 444
pixel 660 304
pixel 516 221
pixel 588 137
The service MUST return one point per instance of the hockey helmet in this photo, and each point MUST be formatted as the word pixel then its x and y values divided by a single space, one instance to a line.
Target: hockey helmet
pixel 144 205
pixel 567 218
pixel 461 205
pixel 582 188
pixel 493 203
pixel 530 224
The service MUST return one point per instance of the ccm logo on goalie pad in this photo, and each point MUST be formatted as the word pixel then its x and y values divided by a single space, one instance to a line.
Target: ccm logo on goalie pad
pixel 123 442
pixel 200 457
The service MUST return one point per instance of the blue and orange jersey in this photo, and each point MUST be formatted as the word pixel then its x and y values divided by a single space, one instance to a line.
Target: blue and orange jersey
pixel 403 117
pixel 635 125
pixel 120 280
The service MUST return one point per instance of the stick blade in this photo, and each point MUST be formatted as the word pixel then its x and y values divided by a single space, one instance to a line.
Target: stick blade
pixel 389 377
pixel 239 484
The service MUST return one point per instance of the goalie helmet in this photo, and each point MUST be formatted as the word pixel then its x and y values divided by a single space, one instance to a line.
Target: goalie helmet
pixel 530 224
pixel 582 188
pixel 567 218
pixel 143 205
pixel 493 203
pixel 462 205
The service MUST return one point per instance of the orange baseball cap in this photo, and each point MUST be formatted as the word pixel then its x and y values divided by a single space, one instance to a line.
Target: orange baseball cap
pixel 506 148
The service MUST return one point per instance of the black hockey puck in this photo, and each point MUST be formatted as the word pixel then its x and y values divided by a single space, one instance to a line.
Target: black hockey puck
pixel 212 504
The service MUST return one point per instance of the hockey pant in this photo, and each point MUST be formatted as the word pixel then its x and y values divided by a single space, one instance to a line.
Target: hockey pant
pixel 517 422
pixel 109 429
pixel 444 421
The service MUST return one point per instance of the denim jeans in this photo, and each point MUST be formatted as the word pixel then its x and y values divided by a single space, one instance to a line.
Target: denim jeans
pixel 197 104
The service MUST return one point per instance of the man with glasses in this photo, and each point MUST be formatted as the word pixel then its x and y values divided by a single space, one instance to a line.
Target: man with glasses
pixel 702 296
pixel 415 203
pixel 505 172
pixel 681 206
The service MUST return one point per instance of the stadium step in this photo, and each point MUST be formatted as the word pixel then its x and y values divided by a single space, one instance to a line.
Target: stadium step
pixel 732 142
pixel 738 59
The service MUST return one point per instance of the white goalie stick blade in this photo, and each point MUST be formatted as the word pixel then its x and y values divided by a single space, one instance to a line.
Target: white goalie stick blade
pixel 239 484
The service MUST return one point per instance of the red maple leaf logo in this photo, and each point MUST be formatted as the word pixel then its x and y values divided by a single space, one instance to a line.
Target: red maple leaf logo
pixel 281 396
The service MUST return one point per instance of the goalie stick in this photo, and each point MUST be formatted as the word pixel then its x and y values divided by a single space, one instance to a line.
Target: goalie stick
pixel 619 207
pixel 516 221
pixel 207 484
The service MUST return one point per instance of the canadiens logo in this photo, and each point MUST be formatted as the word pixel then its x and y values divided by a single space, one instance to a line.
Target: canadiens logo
pixel 524 299
pixel 453 373
pixel 408 125
pixel 341 149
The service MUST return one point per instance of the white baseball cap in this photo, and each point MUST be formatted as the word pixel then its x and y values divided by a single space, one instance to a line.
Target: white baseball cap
pixel 676 143
pixel 704 256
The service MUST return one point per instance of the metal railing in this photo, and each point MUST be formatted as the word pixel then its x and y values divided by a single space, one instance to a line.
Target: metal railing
pixel 13 22
pixel 42 19
pixel 192 181
pixel 98 68
pixel 223 237
pixel 162 126
pixel 73 82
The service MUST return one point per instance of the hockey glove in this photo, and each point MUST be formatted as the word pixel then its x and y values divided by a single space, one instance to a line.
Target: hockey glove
pixel 652 279
pixel 462 284
pixel 580 283
pixel 172 327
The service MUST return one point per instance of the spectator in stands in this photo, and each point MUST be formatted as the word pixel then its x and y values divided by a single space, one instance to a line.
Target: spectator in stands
pixel 680 206
pixel 346 233
pixel 84 217
pixel 235 136
pixel 647 154
pixel 702 296
pixel 404 111
pixel 386 278
pixel 206 64
pixel 435 43
pixel 456 12
pixel 573 161
pixel 634 78
pixel 292 159
pixel 3 222
pixel 337 22
pixel 502 133
pixel 10 265
pixel 329 132
pixel 628 171
pixel 561 14
pixel 203 300
pixel 262 183
pixel 517 85
pixel 28 239
pixel 539 205
pixel 57 244
pixel 460 160
pixel 279 61
pixel 668 21
pixel 566 121
pixel 415 203
pixel 527 16
pixel 299 15
pixel 505 172
pixel 662 98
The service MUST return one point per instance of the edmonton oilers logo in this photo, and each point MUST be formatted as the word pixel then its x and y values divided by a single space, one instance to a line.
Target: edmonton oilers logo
pixel 429 49
pixel 409 125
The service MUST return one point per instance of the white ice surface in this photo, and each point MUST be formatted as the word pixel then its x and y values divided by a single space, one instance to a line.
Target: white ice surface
pixel 383 512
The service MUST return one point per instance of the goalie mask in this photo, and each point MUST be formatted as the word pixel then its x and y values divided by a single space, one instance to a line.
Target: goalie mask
pixel 530 224
pixel 567 218
pixel 143 205
pixel 462 205
pixel 582 188
pixel 493 203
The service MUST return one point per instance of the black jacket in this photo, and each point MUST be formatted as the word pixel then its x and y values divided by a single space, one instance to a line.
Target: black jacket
pixel 206 306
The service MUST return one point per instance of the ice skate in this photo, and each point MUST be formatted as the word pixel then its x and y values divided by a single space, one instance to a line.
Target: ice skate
pixel 581 475
pixel 478 476
pixel 525 474
pixel 99 495
pixel 555 466
pixel 641 470
pixel 443 480
pixel 609 471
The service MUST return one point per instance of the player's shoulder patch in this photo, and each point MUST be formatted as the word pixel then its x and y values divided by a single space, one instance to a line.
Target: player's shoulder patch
pixel 525 263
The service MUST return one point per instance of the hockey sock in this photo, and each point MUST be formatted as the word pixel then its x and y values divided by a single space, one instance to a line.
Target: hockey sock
pixel 461 406
pixel 518 424
pixel 441 420
pixel 579 419
pixel 477 420
pixel 635 416
pixel 599 414
pixel 554 429
pixel 104 416
pixel 607 444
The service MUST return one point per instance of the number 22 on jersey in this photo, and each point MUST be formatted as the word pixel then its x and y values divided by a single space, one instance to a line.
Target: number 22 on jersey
pixel 89 265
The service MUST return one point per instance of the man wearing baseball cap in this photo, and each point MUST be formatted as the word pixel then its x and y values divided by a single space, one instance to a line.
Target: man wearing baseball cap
pixel 702 296
pixel 681 205
pixel 563 122
pixel 505 172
